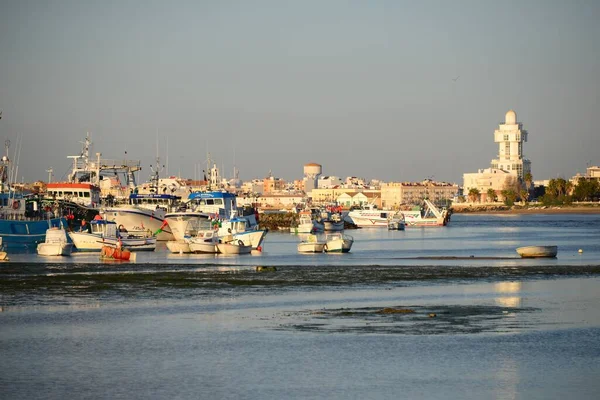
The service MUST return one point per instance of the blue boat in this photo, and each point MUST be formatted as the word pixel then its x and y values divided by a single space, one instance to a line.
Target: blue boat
pixel 23 222
pixel 22 225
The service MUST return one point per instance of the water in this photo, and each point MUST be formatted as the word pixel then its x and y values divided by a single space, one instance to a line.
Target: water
pixel 424 313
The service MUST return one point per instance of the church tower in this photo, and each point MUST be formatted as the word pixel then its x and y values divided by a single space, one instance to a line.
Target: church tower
pixel 510 137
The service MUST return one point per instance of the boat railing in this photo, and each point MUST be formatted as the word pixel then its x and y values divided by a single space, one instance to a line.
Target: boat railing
pixel 11 216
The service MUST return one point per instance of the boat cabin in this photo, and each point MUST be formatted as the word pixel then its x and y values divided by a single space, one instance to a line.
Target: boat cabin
pixel 221 204
pixel 104 227
pixel 154 201
pixel 85 194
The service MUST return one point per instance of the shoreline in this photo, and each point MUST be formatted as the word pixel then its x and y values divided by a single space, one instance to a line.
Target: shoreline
pixel 532 210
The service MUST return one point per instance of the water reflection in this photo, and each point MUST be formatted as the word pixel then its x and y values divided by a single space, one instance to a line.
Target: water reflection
pixel 507 294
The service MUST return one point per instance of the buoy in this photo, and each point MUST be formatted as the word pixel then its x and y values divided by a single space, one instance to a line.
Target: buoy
pixel 581 250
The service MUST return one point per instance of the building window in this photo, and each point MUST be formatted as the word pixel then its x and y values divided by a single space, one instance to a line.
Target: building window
pixel 507 149
pixel 505 137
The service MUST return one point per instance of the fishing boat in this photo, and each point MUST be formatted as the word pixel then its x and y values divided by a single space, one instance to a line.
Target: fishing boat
pixel 23 222
pixel 56 243
pixel 97 233
pixel 145 212
pixel 307 224
pixel 370 217
pixel 229 246
pixel 337 242
pixel 241 229
pixel 427 215
pixel 332 221
pixel 537 251
pixel 215 205
pixel 396 222
pixel 311 244
pixel 205 240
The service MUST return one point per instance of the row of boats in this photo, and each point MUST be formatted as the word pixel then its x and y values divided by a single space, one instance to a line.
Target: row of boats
pixel 316 221
pixel 208 221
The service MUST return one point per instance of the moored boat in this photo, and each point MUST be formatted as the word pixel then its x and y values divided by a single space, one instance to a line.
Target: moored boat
pixel 427 215
pixel 98 233
pixel 23 222
pixel 233 247
pixel 56 243
pixel 396 222
pixel 337 242
pixel 537 251
pixel 311 244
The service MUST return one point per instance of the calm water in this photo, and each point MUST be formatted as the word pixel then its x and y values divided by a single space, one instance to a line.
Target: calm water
pixel 471 319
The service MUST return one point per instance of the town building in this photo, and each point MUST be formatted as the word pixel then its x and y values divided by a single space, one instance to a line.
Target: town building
pixel 396 194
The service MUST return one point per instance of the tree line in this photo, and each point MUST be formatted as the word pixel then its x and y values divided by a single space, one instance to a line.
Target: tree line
pixel 558 192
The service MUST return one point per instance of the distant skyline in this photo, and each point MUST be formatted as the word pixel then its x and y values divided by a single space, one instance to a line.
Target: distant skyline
pixel 390 90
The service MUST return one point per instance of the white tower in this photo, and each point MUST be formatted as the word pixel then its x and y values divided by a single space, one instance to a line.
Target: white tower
pixel 311 176
pixel 510 137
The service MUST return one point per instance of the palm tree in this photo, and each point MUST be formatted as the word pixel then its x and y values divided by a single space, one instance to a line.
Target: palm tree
pixel 491 195
pixel 474 195
pixel 528 179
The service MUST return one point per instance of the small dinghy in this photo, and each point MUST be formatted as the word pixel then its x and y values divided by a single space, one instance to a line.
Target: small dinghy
pixel 537 251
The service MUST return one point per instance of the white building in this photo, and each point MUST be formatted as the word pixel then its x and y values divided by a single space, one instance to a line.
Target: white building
pixel 510 137
pixel 510 164
pixel 329 182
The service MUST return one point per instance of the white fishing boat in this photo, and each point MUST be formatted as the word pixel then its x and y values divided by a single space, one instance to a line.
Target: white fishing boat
pixel 241 229
pixel 143 214
pixel 188 229
pixel 537 251
pixel 205 240
pixel 311 244
pixel 56 243
pixel 337 242
pixel 333 222
pixel 396 222
pixel 101 232
pixel 370 217
pixel 427 215
pixel 307 224
pixel 227 245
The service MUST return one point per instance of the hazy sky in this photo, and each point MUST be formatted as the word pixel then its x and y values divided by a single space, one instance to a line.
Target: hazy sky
pixel 364 88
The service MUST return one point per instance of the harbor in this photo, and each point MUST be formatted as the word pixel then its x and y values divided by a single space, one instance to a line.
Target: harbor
pixel 400 302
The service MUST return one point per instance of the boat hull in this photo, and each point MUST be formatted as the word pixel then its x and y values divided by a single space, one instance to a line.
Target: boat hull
pixel 140 221
pixel 537 251
pixel 55 249
pixel 311 247
pixel 332 226
pixel 84 241
pixel 178 246
pixel 251 238
pixel 339 244
pixel 232 249
pixel 26 235
pixel 180 223
pixel 203 247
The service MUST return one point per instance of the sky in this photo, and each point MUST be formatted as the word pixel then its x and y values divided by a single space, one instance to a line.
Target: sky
pixel 391 90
